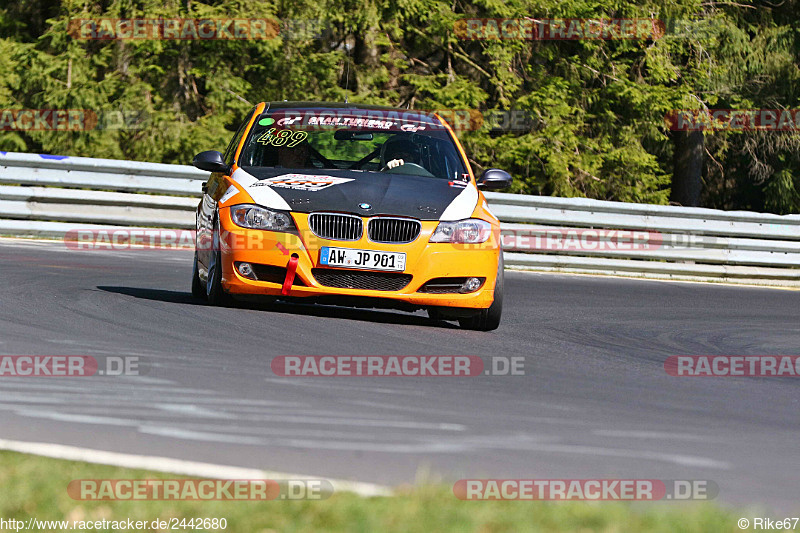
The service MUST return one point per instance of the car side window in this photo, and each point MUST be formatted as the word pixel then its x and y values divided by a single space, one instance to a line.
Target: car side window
pixel 229 153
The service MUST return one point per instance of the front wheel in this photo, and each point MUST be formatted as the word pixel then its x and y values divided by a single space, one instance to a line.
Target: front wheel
pixel 198 290
pixel 214 292
pixel 488 319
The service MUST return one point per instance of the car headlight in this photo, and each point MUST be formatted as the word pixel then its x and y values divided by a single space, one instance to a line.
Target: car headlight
pixel 469 231
pixel 256 217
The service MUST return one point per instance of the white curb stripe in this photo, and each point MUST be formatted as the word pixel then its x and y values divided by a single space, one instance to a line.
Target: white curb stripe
pixel 178 466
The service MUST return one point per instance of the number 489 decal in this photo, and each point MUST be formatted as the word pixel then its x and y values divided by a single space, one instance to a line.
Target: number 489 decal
pixel 283 137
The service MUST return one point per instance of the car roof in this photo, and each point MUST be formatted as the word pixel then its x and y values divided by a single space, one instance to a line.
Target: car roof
pixel 342 105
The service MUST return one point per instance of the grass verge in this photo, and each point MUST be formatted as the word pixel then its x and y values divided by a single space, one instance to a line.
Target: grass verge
pixel 32 486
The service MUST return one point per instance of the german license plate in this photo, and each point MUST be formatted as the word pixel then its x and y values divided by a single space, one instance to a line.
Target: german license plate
pixel 350 258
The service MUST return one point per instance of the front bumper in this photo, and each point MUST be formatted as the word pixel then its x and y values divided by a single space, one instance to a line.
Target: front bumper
pixel 424 262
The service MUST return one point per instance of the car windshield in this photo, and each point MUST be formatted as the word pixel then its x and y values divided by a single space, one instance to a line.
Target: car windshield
pixel 396 142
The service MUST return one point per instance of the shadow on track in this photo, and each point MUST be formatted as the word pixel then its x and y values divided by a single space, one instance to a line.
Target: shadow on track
pixel 158 295
pixel 290 308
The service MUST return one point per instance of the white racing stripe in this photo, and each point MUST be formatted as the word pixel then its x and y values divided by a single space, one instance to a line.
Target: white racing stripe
pixel 261 195
pixel 245 179
pixel 230 193
pixel 178 466
pixel 462 205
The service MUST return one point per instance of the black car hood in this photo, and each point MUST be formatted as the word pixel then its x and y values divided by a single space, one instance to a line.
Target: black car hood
pixel 387 194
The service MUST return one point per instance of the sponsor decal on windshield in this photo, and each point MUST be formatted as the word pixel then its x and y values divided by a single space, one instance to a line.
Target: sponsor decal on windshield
pixel 302 182
pixel 410 121
pixel 332 119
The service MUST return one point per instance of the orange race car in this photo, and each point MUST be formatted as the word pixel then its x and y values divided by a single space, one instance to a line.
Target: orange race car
pixel 351 205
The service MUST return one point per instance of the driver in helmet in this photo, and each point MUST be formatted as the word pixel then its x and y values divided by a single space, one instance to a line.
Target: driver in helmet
pixel 399 151
pixel 296 157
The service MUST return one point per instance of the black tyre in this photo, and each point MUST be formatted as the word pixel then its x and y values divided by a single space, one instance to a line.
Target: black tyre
pixel 198 289
pixel 215 294
pixel 488 319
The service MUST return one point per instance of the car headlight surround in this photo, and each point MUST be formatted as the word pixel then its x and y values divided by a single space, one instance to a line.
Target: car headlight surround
pixel 467 231
pixel 256 217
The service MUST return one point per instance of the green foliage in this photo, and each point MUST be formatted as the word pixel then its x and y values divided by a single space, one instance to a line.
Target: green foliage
pixel 598 106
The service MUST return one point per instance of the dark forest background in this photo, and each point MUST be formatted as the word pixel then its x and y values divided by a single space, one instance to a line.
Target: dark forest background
pixel 597 107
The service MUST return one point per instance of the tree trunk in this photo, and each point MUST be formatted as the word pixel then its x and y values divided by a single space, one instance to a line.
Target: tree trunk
pixel 687 174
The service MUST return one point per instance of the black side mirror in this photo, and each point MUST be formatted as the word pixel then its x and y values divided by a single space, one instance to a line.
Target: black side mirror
pixel 494 179
pixel 211 160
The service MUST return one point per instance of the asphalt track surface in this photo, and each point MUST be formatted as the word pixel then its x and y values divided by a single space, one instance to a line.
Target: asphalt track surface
pixel 595 402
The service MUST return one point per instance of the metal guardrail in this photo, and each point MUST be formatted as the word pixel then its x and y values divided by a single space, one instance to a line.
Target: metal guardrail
pixel 674 242
pixel 43 195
